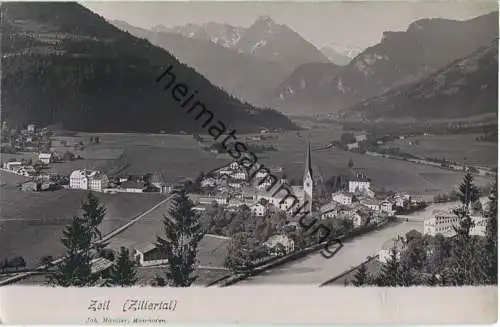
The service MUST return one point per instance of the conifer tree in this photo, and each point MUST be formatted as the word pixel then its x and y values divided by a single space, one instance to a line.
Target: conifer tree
pixel 393 273
pixel 491 242
pixel 183 233
pixel 389 271
pixel 93 214
pixel 75 270
pixel 241 252
pixel 123 272
pixel 466 268
pixel 361 277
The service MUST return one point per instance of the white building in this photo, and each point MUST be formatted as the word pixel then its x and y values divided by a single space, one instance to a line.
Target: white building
pixel 372 204
pixel 259 209
pixel 13 165
pixel 330 210
pixel 387 207
pixel 92 180
pixel 360 138
pixel 46 158
pixel 352 146
pixel 359 185
pixel 342 198
pixel 26 171
pixel 445 222
pixel 241 175
pixel 31 128
pixel 208 182
pixel 280 243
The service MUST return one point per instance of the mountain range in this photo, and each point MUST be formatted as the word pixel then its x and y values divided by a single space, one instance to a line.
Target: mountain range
pixel 246 62
pixel 340 55
pixel 399 58
pixel 244 76
pixel 465 88
pixel 264 39
pixel 64 64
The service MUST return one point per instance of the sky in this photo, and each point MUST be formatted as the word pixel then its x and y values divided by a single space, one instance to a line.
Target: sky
pixel 348 23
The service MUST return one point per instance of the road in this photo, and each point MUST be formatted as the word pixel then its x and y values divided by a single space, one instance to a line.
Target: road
pixel 315 269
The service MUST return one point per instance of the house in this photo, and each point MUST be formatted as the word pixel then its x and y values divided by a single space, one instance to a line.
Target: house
pixel 343 198
pixel 352 146
pixel 98 181
pixel 445 222
pixel 385 252
pixel 234 165
pixel 330 210
pixel 387 207
pixel 359 185
pixel 100 266
pixel 132 187
pixel 45 158
pixel 399 199
pixel 13 165
pixel 370 203
pixel 26 171
pixel 92 180
pixel 360 137
pixel 150 255
pixel 31 128
pixel 241 175
pixel 279 245
pixel 236 185
pixel 259 209
pixel 31 186
pixel 208 182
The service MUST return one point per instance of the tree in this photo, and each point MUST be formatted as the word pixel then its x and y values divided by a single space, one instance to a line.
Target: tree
pixel 361 277
pixel 5 264
pixel 350 164
pixel 46 260
pixel 242 252
pixel 93 215
pixel 75 269
pixel 468 193
pixel 239 254
pixel 491 241
pixel 466 267
pixel 17 262
pixel 123 272
pixel 183 233
pixel 392 273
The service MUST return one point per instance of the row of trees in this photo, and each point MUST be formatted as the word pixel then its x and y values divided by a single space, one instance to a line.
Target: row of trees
pixel 463 259
pixel 16 263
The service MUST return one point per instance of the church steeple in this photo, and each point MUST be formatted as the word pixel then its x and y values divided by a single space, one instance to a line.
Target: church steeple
pixel 308 168
pixel 308 181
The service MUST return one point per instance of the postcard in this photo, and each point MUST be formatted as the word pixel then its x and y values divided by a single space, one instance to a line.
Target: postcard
pixel 249 162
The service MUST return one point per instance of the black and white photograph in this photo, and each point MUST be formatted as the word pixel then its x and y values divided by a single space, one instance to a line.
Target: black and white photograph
pixel 225 144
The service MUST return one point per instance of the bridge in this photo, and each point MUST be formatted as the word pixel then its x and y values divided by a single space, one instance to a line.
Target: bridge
pixel 410 218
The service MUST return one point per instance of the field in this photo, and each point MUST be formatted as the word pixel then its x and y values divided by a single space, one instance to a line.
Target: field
pixel 31 224
pixel 461 148
pixel 177 156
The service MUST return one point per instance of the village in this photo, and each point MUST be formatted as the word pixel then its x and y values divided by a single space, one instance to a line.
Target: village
pixel 352 203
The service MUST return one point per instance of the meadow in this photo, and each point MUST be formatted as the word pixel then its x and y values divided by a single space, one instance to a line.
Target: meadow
pixel 31 224
pixel 462 148
pixel 177 156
